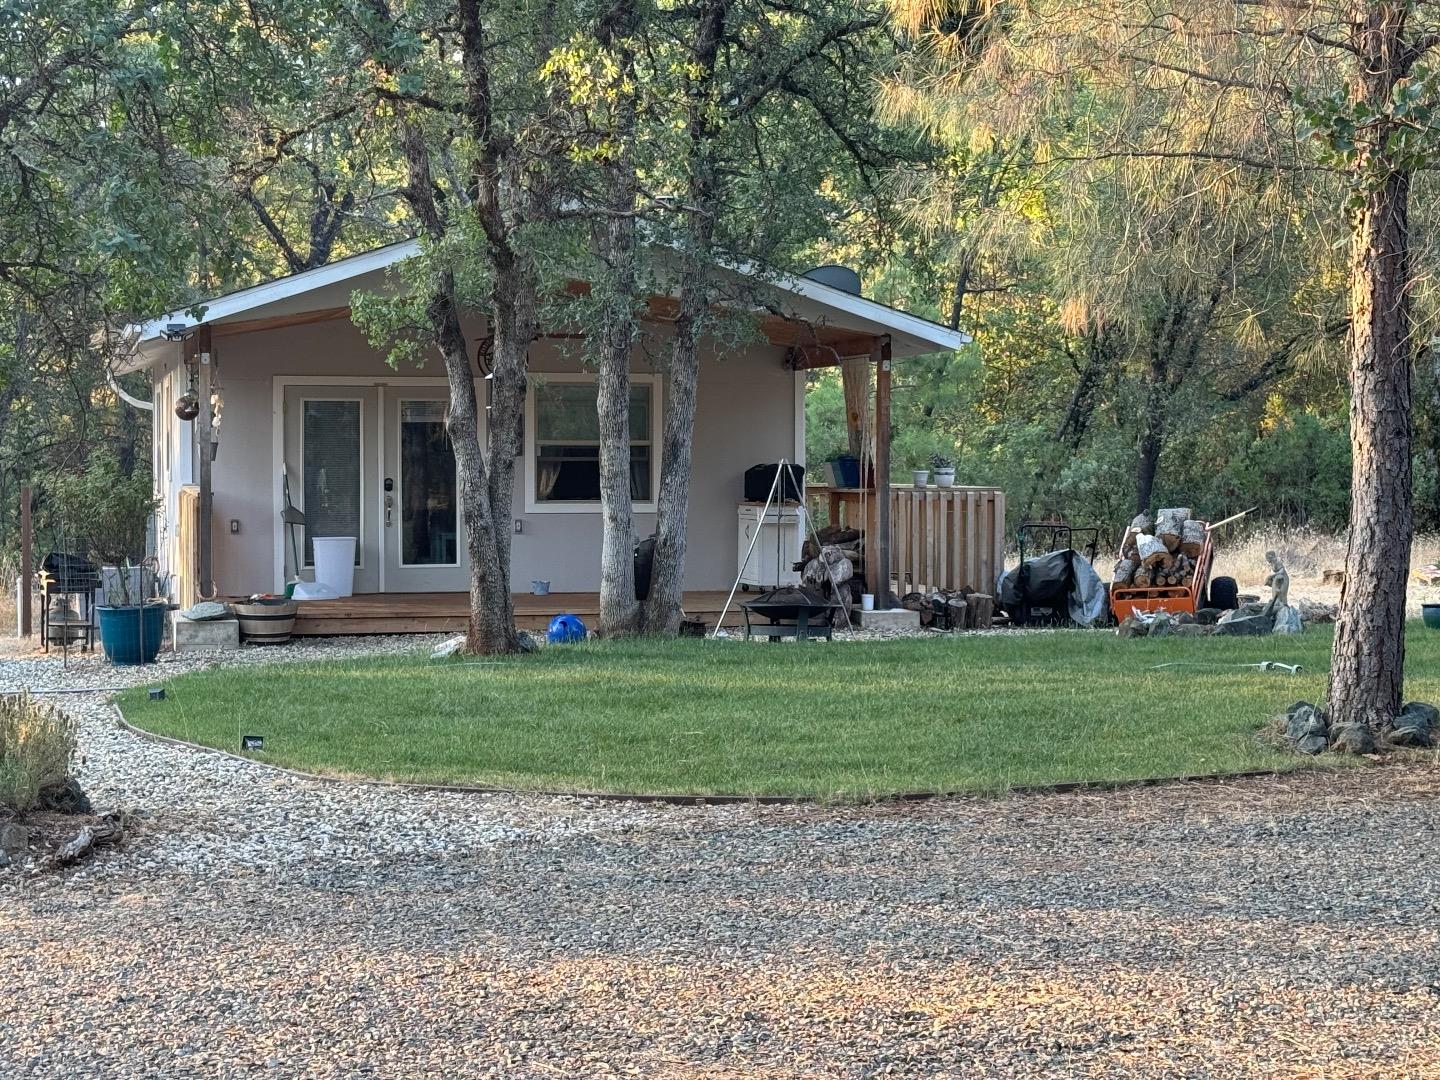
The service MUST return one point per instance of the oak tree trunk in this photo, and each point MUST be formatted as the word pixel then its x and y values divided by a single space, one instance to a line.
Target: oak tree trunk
pixel 619 610
pixel 485 486
pixel 663 606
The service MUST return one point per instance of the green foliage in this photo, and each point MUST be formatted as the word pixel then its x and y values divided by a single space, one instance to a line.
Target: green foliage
pixel 102 507
pixel 37 743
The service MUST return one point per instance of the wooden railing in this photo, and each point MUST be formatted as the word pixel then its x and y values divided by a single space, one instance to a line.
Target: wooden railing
pixel 187 546
pixel 940 538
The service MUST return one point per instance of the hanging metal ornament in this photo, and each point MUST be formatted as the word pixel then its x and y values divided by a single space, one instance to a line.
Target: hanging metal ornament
pixel 187 406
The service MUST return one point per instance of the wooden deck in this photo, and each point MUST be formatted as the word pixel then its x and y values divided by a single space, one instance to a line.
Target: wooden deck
pixel 448 613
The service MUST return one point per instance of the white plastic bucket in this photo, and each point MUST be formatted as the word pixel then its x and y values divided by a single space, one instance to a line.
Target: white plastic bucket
pixel 335 563
pixel 867 601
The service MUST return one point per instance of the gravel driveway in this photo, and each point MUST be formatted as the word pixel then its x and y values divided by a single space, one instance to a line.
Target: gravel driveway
pixel 260 924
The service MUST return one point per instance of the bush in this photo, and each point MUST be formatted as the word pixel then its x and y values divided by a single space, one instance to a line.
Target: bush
pixel 36 745
pixel 105 507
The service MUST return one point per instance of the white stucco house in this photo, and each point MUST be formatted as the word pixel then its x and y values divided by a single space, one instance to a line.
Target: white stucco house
pixel 305 398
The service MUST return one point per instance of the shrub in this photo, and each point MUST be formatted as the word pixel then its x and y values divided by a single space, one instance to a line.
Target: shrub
pixel 36 745
pixel 105 507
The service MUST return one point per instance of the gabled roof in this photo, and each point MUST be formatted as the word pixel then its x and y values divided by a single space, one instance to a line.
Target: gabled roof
pixel 331 286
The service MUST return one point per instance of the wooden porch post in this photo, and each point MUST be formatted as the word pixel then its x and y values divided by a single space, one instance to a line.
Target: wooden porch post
pixel 877 556
pixel 205 456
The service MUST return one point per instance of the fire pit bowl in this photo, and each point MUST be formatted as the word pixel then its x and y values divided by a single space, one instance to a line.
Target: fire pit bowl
pixel 792 611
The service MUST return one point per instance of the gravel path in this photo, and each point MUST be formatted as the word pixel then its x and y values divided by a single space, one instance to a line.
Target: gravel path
pixel 259 924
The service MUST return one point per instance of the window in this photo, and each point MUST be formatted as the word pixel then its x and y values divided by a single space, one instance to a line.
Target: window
pixel 428 486
pixel 565 449
pixel 331 464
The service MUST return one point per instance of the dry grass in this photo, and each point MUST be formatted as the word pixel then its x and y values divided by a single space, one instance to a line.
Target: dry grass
pixel 1306 554
pixel 36 745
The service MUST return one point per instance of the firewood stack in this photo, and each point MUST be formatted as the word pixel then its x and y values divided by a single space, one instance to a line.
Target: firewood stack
pixel 1162 555
pixel 836 562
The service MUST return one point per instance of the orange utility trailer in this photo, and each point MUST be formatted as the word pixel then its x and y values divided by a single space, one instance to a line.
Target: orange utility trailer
pixel 1127 600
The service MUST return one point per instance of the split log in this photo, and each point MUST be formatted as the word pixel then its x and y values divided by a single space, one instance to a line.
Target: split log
pixel 1143 578
pixel 1140 523
pixel 1192 537
pixel 1124 571
pixel 1168 528
pixel 1151 550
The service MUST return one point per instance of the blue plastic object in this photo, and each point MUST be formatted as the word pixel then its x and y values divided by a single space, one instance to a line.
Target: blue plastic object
pixel 132 635
pixel 564 629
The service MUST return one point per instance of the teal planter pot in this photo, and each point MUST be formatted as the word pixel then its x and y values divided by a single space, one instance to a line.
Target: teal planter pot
pixel 132 635
pixel 1431 614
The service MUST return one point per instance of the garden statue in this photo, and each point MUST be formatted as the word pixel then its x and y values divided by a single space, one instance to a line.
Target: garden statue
pixel 1278 582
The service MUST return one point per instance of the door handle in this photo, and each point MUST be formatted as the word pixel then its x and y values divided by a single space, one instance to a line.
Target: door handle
pixel 389 509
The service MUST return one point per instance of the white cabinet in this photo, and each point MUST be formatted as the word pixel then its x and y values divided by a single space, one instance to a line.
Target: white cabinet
pixel 772 560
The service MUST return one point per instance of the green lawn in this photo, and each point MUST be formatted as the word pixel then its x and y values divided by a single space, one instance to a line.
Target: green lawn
pixel 837 721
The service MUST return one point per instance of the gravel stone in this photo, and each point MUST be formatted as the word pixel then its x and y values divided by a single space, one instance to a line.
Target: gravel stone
pixel 258 922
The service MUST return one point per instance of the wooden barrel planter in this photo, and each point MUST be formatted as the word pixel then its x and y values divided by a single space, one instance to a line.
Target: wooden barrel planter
pixel 266 622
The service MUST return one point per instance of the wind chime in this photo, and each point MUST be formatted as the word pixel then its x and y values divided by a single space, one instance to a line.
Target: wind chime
pixel 187 405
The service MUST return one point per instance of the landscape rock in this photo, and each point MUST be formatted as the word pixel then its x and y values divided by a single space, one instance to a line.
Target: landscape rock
pixel 1133 626
pixel 1160 626
pixel 14 838
pixel 1306 728
pixel 1191 629
pixel 1209 616
pixel 1353 739
pixel 1430 713
pixel 1315 612
pixel 1287 621
pixel 1242 626
pixel 1415 726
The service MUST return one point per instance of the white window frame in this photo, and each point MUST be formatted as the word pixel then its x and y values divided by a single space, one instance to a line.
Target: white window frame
pixel 532 446
pixel 359 399
pixel 400 402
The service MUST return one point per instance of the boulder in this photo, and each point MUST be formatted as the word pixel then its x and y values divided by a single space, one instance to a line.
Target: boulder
pixel 1314 612
pixel 14 838
pixel 1306 728
pixel 1190 629
pixel 1353 739
pixel 1415 726
pixel 1287 621
pixel 1242 626
pixel 1133 626
pixel 1160 626
pixel 1209 616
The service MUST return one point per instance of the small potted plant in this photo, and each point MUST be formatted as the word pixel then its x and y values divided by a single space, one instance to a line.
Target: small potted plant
pixel 944 470
pixel 922 477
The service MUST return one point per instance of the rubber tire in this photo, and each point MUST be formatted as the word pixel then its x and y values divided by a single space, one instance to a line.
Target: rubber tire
pixel 1224 594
